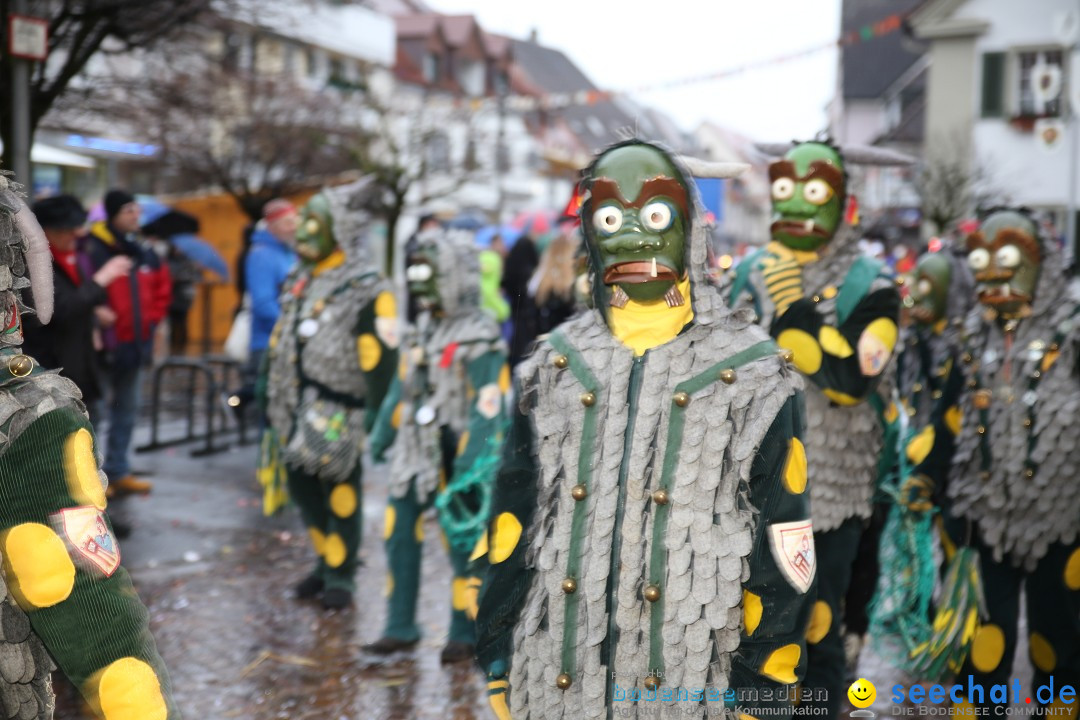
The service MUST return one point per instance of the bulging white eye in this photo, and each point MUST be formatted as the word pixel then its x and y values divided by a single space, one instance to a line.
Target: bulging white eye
pixel 418 273
pixel 978 259
pixel 607 219
pixel 817 192
pixel 783 188
pixel 1008 256
pixel 656 216
pixel 924 287
pixel 311 226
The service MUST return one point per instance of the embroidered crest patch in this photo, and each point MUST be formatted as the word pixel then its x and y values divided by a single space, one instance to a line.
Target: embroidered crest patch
pixel 90 538
pixel 489 400
pixel 387 330
pixel 792 545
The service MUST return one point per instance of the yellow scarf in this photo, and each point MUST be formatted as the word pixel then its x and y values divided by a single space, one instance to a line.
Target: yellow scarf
pixel 643 326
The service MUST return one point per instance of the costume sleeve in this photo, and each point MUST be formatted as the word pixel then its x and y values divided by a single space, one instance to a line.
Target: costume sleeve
pixel 376 352
pixel 384 430
pixel 928 451
pixel 845 361
pixel 62 565
pixel 261 270
pixel 508 577
pixel 777 598
pixel 489 382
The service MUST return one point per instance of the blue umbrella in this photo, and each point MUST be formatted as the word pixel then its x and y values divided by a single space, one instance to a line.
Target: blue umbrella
pixel 509 234
pixel 467 221
pixel 201 253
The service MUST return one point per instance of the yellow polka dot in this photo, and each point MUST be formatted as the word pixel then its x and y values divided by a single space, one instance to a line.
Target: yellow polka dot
pixel 751 611
pixel 462 442
pixel 128 689
pixel 1072 571
pixel 795 468
pixel 81 470
pixel 891 413
pixel 954 420
pixel 343 500
pixel 807 351
pixel 504 379
pixel 318 540
pixel 987 648
pixel 781 663
pixel 403 368
pixel 389 517
pixel 386 305
pixel 504 537
pixel 459 597
pixel 40 573
pixel 921 445
pixel 369 351
pixel 395 418
pixel 829 292
pixel 1042 653
pixel 389 585
pixel 418 529
pixel 1049 359
pixel 472 597
pixel 884 330
pixel 834 343
pixel 820 622
pixel 335 551
pixel 481 548
pixel 839 398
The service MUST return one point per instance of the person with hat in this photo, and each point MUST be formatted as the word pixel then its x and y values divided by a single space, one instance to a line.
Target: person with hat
pixel 67 343
pixel 139 300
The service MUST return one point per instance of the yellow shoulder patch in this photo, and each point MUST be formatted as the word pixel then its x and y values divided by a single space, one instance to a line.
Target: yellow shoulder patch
pixel 40 572
pixel 504 537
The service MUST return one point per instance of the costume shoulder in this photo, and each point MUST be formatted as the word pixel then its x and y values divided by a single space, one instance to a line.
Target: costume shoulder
pixel 25 400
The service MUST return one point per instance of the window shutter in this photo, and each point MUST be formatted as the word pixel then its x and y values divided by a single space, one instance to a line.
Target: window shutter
pixel 993 84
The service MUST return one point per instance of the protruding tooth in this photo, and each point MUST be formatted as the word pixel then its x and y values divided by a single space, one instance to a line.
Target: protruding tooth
pixel 653 271
pixel 809 226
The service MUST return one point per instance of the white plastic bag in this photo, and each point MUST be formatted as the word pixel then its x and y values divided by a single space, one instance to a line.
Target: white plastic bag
pixel 238 344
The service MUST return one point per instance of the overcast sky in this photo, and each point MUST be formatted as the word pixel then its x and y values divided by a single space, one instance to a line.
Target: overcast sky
pixel 630 44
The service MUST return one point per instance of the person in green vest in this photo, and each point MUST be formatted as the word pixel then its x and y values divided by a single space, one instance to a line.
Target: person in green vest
pixel 64 596
pixel 444 418
pixel 838 313
pixel 330 360
pixel 650 549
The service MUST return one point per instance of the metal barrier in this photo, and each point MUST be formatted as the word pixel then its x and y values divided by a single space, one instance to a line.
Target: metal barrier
pixel 215 422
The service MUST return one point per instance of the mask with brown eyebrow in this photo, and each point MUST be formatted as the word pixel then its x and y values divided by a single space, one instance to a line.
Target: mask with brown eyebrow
pixel 1007 267
pixel 808 194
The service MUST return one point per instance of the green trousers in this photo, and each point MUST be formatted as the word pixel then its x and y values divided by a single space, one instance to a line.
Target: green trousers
pixel 333 515
pixel 1052 593
pixel 825 661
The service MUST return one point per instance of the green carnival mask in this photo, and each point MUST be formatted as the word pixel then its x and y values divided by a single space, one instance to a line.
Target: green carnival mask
pixel 636 221
pixel 422 278
pixel 1005 256
pixel 930 289
pixel 808 193
pixel 315 236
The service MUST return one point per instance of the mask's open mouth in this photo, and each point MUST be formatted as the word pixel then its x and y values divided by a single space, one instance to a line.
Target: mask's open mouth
pixel 1001 294
pixel 799 228
pixel 639 271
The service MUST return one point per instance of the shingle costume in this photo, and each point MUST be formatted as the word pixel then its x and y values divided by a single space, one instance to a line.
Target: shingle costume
pixel 63 592
pixel 445 418
pixel 837 312
pixel 650 545
pixel 331 358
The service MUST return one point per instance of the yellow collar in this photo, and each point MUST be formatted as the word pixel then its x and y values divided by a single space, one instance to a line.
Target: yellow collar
pixel 331 261
pixel 643 326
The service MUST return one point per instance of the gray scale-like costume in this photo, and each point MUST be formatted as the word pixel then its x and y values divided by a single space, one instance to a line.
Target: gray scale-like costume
pixel 1020 517
pixel 416 453
pixel 711 523
pixel 842 443
pixel 299 408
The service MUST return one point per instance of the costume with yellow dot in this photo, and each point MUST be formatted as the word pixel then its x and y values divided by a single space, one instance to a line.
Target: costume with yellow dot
pixel 328 373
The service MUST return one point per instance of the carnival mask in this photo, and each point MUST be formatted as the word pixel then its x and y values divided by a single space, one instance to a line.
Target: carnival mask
pixel 808 193
pixel 1005 257
pixel 315 237
pixel 930 289
pixel 422 278
pixel 636 221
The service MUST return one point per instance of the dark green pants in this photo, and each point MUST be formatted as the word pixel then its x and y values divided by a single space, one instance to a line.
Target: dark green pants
pixel 333 515
pixel 825 662
pixel 1052 592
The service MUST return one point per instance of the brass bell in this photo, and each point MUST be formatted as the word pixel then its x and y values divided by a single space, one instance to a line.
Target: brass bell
pixel 652 682
pixel 1027 422
pixel 20 365
pixel 936 394
pixel 967 357
pixel 563 682
pixel 579 492
pixel 917 387
pixel 681 399
pixel 981 429
pixel 660 497
pixel 651 593
pixel 981 399
pixel 561 362
pixel 787 354
pixel 727 375
pixel 588 399
pixel 569 586
pixel 1029 473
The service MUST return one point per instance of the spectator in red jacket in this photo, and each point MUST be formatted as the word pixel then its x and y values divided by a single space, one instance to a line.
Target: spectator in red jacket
pixel 137 302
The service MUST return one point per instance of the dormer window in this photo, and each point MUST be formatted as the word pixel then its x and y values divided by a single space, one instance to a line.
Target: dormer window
pixel 432 68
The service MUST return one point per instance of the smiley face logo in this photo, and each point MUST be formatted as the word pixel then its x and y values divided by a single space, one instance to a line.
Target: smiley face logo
pixel 862 693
